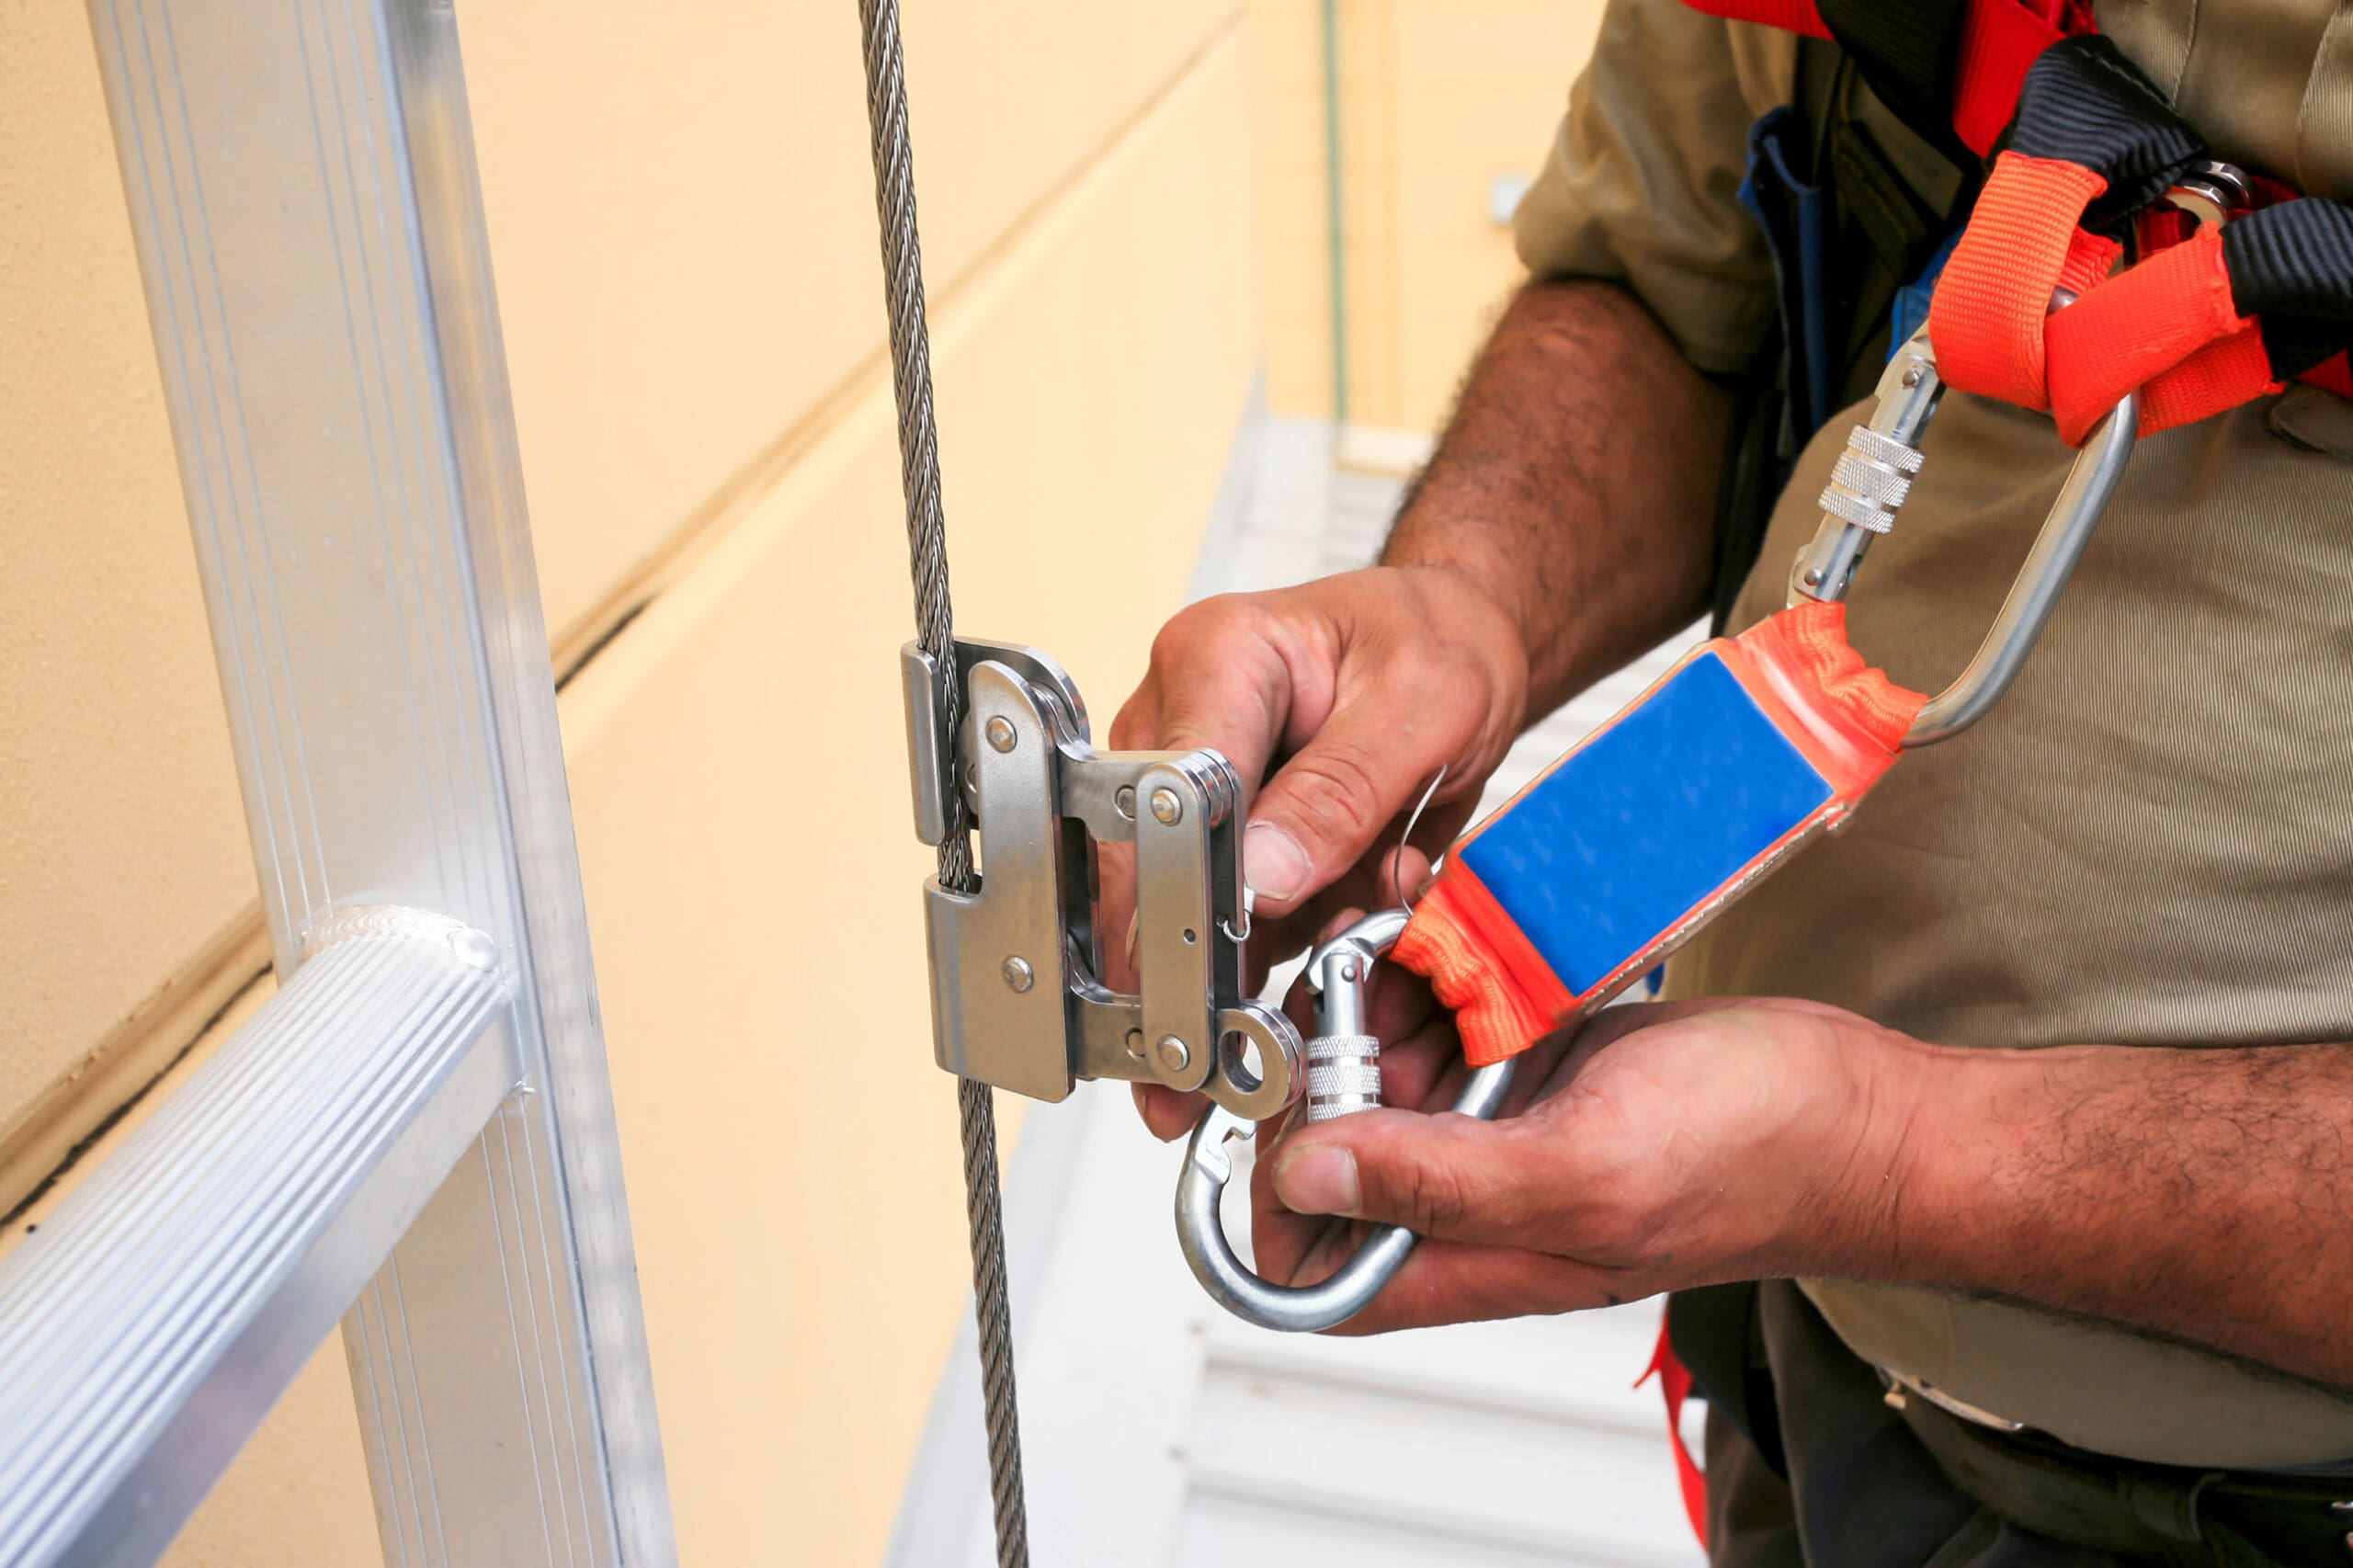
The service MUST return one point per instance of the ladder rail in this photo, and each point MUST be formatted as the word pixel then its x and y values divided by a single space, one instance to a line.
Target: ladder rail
pixel 302 191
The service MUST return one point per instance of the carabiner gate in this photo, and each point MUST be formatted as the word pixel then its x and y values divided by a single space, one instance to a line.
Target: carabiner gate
pixel 1343 1077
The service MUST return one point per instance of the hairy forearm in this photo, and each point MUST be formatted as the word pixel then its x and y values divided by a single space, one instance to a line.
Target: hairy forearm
pixel 1577 483
pixel 2206 1195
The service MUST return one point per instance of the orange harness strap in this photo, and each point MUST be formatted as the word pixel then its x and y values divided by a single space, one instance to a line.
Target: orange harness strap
pixel 2206 320
pixel 2169 326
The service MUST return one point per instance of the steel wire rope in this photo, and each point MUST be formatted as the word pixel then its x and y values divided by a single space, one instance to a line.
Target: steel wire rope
pixel 894 200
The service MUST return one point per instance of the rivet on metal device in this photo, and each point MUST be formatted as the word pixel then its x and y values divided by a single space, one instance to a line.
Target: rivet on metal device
pixel 1167 807
pixel 1000 733
pixel 1126 801
pixel 1349 971
pixel 1171 1055
pixel 1018 975
pixel 1912 375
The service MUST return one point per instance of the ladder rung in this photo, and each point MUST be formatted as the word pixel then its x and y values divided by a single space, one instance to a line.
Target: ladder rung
pixel 148 1326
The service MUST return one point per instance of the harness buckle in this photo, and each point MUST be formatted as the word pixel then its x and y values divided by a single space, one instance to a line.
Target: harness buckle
pixel 2212 192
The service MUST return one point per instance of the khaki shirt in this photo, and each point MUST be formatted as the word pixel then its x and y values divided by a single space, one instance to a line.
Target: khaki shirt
pixel 2150 841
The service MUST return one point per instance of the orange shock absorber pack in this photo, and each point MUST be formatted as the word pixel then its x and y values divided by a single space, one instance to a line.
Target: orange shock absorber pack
pixel 1581 883
pixel 1748 749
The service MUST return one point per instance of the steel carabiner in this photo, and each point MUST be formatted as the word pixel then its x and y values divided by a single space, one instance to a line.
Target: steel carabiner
pixel 1874 476
pixel 1343 1077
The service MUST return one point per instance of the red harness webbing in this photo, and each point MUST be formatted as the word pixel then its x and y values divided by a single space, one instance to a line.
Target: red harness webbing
pixel 2184 327
pixel 1674 1387
pixel 2167 328
pixel 1998 41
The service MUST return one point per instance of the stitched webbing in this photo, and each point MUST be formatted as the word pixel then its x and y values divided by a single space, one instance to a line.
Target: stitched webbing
pixel 1809 641
pixel 2085 103
pixel 2022 243
pixel 2292 265
pixel 1496 1017
pixel 2151 326
pixel 2201 325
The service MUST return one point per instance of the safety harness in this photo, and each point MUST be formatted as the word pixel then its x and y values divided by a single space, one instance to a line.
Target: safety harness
pixel 2084 149
pixel 2238 285
pixel 2215 313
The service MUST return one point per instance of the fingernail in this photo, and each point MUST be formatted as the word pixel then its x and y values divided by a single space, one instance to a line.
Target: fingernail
pixel 1317 1181
pixel 1272 862
pixel 1133 922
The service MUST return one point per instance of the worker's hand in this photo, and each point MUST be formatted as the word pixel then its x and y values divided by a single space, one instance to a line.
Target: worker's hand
pixel 1337 701
pixel 1661 1146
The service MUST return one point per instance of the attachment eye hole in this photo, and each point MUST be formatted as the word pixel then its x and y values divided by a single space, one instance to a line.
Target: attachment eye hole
pixel 1238 1059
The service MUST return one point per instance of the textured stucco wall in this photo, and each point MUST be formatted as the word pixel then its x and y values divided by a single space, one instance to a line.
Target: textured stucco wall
pixel 122 852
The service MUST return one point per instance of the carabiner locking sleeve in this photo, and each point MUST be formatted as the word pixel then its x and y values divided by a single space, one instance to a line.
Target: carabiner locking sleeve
pixel 1343 1077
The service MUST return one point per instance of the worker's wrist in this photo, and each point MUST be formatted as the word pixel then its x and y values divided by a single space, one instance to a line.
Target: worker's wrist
pixel 1967 1215
pixel 1479 614
pixel 1490 585
pixel 1879 1208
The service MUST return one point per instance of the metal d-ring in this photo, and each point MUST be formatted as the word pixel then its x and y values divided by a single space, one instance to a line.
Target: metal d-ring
pixel 1340 971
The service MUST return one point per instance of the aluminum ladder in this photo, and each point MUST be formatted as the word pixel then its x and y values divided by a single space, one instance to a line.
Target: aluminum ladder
pixel 414 1135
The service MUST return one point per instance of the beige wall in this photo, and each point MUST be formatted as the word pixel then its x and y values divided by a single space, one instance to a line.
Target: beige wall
pixel 112 745
pixel 683 234
pixel 680 219
pixel 1438 97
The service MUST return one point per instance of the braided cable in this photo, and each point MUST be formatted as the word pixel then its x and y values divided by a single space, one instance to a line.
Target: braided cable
pixel 894 200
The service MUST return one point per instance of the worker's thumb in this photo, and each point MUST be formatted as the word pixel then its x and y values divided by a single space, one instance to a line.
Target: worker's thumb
pixel 1323 809
pixel 1444 1176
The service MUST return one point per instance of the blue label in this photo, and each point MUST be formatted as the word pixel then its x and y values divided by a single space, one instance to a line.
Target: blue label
pixel 1654 816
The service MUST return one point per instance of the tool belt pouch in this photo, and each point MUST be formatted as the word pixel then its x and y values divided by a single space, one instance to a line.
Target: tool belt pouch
pixel 1583 881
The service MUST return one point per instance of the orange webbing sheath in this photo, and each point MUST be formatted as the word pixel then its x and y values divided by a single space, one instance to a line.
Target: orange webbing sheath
pixel 2169 320
pixel 1810 701
pixel 2022 243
